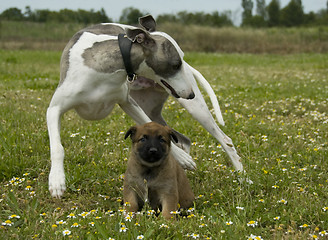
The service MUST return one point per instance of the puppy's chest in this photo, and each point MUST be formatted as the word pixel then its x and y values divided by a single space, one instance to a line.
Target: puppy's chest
pixel 149 174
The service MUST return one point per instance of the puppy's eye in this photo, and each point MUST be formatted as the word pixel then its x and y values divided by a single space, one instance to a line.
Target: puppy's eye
pixel 143 139
pixel 162 140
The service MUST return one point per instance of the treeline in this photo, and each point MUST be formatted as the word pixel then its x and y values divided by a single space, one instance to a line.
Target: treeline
pixel 273 15
pixel 129 15
pixel 266 15
pixel 198 18
pixel 64 15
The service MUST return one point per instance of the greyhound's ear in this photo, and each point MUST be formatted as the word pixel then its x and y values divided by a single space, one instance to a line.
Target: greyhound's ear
pixel 148 22
pixel 130 132
pixel 140 36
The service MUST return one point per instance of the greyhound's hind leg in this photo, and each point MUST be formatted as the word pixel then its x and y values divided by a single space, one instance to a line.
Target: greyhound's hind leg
pixel 151 101
pixel 134 111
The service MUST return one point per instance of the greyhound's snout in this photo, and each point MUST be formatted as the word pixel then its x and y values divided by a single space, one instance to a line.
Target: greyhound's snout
pixel 176 93
pixel 191 95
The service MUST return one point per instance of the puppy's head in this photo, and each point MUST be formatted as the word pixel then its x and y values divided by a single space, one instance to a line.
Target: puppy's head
pixel 151 143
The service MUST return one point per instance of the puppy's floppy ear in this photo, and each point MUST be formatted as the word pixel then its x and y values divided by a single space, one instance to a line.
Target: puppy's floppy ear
pixel 130 132
pixel 174 137
pixel 148 22
pixel 172 134
pixel 140 36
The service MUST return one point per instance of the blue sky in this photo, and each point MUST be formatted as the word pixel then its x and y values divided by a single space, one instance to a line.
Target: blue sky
pixel 114 8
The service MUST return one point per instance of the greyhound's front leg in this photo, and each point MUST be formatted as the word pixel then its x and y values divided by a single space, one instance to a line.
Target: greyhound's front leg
pixel 57 175
pixel 138 115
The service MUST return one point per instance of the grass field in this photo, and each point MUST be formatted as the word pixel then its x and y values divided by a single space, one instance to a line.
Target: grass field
pixel 276 112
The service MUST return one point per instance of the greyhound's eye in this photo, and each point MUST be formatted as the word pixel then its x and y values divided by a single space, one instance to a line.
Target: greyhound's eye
pixel 176 66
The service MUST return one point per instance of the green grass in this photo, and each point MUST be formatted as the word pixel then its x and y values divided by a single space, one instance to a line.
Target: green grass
pixel 275 109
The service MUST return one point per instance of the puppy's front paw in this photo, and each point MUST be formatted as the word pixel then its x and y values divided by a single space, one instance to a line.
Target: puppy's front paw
pixel 249 181
pixel 183 158
pixel 244 178
pixel 57 183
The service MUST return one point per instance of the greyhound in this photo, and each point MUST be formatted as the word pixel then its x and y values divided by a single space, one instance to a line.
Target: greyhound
pixel 93 78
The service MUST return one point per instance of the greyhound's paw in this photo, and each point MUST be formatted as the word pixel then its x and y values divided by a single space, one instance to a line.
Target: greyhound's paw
pixel 57 184
pixel 183 158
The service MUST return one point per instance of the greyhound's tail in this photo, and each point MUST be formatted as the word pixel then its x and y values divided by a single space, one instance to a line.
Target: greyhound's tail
pixel 207 87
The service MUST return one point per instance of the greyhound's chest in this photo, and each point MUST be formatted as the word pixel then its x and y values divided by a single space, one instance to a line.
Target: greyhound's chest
pixel 99 100
pixel 95 79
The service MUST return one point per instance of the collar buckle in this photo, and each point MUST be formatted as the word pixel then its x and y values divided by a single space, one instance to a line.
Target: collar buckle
pixel 131 77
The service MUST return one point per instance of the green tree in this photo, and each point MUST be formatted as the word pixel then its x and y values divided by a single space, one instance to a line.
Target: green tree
pixel 186 17
pixel 29 15
pixel 259 20
pixel 166 18
pixel 130 15
pixel 310 19
pixel 214 19
pixel 292 14
pixel 67 15
pixel 101 16
pixel 273 10
pixel 64 15
pixel 13 14
pixel 261 9
pixel 256 21
pixel 221 19
pixel 321 17
pixel 42 15
pixel 84 16
pixel 247 13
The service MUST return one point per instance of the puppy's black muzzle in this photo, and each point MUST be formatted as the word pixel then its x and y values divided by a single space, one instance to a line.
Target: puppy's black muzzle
pixel 152 150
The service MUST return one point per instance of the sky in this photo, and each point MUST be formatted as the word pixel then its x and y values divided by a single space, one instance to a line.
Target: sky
pixel 113 8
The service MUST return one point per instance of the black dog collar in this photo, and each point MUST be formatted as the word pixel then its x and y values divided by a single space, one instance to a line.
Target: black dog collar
pixel 125 47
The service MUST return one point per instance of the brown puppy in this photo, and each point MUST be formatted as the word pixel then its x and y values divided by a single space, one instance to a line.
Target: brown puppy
pixel 153 174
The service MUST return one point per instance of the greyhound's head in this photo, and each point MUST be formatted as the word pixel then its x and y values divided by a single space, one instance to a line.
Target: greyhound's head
pixel 164 58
